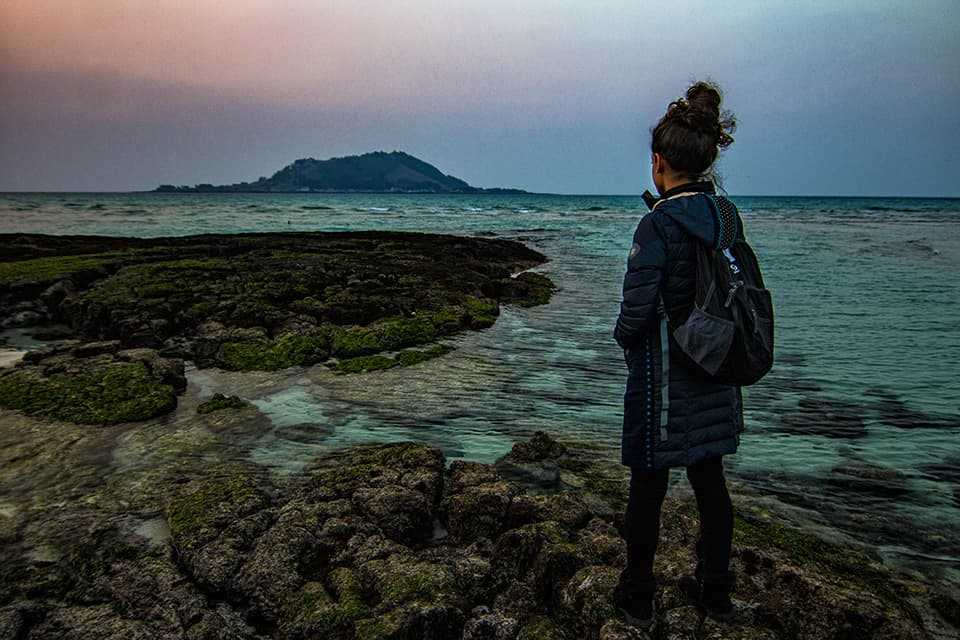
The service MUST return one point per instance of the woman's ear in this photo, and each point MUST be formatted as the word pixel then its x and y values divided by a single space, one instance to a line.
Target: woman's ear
pixel 658 164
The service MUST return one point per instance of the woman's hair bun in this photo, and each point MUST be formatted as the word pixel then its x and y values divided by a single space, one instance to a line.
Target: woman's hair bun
pixel 693 130
pixel 700 112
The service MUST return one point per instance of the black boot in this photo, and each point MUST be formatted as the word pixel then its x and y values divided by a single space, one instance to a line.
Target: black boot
pixel 634 599
pixel 711 593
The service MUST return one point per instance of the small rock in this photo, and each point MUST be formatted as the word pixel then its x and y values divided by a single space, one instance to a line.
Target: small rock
pixel 619 630
pixel 96 348
pixel 491 627
pixel 23 319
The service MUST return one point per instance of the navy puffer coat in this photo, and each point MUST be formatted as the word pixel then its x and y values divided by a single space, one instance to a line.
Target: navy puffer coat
pixel 673 414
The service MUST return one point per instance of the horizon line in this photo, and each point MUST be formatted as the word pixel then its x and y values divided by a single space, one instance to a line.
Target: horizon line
pixel 483 192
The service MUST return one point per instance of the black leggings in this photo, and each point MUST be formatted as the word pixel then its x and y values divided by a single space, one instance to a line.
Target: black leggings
pixel 647 490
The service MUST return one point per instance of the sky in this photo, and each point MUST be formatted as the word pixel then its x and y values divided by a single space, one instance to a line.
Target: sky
pixel 832 97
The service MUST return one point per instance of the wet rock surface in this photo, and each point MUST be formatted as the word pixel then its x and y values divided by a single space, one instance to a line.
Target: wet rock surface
pixel 389 541
pixel 357 301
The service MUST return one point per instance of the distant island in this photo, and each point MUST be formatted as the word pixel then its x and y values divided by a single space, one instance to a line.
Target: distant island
pixel 376 172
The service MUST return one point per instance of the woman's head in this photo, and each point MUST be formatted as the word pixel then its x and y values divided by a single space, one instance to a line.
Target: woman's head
pixel 691 133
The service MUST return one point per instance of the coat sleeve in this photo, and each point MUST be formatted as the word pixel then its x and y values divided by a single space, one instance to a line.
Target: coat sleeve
pixel 641 284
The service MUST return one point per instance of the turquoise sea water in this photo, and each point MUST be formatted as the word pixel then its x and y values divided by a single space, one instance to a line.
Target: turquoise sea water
pixel 856 428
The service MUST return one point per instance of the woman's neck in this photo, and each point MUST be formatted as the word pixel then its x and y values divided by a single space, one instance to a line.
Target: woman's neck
pixel 673 181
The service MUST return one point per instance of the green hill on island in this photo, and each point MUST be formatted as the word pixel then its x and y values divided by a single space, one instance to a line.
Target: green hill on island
pixel 376 172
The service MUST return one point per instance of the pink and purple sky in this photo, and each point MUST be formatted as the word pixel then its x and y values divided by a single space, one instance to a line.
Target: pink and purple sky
pixel 833 97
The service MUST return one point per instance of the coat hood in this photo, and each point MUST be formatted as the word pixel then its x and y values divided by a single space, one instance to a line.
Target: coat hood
pixel 710 218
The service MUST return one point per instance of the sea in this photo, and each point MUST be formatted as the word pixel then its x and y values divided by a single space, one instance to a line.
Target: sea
pixel 854 435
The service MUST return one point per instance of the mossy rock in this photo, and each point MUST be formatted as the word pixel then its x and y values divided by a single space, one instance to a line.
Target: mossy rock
pixel 805 548
pixel 529 289
pixel 116 393
pixel 413 620
pixel 316 611
pixel 614 489
pixel 537 449
pixel 197 514
pixel 481 312
pixel 589 592
pixel 51 269
pixel 220 402
pixel 408 358
pixel 412 357
pixel 273 355
pixel 800 548
pixel 541 628
pixel 419 582
pixel 365 364
pixel 387 335
pixel 344 473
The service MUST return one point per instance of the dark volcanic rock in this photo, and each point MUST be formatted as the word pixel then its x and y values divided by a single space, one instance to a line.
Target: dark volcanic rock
pixel 348 550
pixel 294 285
pixel 476 502
pixel 947 470
pixel 534 462
pixel 881 483
pixel 824 417
pixel 893 411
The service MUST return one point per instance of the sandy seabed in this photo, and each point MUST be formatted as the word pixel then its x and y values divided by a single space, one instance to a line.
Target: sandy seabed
pixel 10 357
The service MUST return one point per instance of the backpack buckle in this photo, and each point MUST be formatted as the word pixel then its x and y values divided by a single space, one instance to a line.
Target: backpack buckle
pixel 733 290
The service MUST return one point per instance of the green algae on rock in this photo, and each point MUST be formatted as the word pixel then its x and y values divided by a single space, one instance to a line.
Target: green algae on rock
pixel 803 549
pixel 219 402
pixel 54 268
pixel 200 513
pixel 96 383
pixel 246 302
pixel 279 300
pixel 407 358
pixel 102 395
pixel 273 355
pixel 528 289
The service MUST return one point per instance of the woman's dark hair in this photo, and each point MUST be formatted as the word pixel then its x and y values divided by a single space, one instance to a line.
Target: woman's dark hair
pixel 693 130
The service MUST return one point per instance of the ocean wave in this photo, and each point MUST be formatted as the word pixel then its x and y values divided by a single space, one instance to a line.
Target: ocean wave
pixel 903 209
pixel 316 207
pixel 903 248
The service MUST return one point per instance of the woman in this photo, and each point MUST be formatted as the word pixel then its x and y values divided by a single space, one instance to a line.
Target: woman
pixel 674 415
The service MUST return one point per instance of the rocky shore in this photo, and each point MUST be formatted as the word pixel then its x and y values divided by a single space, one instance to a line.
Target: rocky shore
pixel 118 521
pixel 391 542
